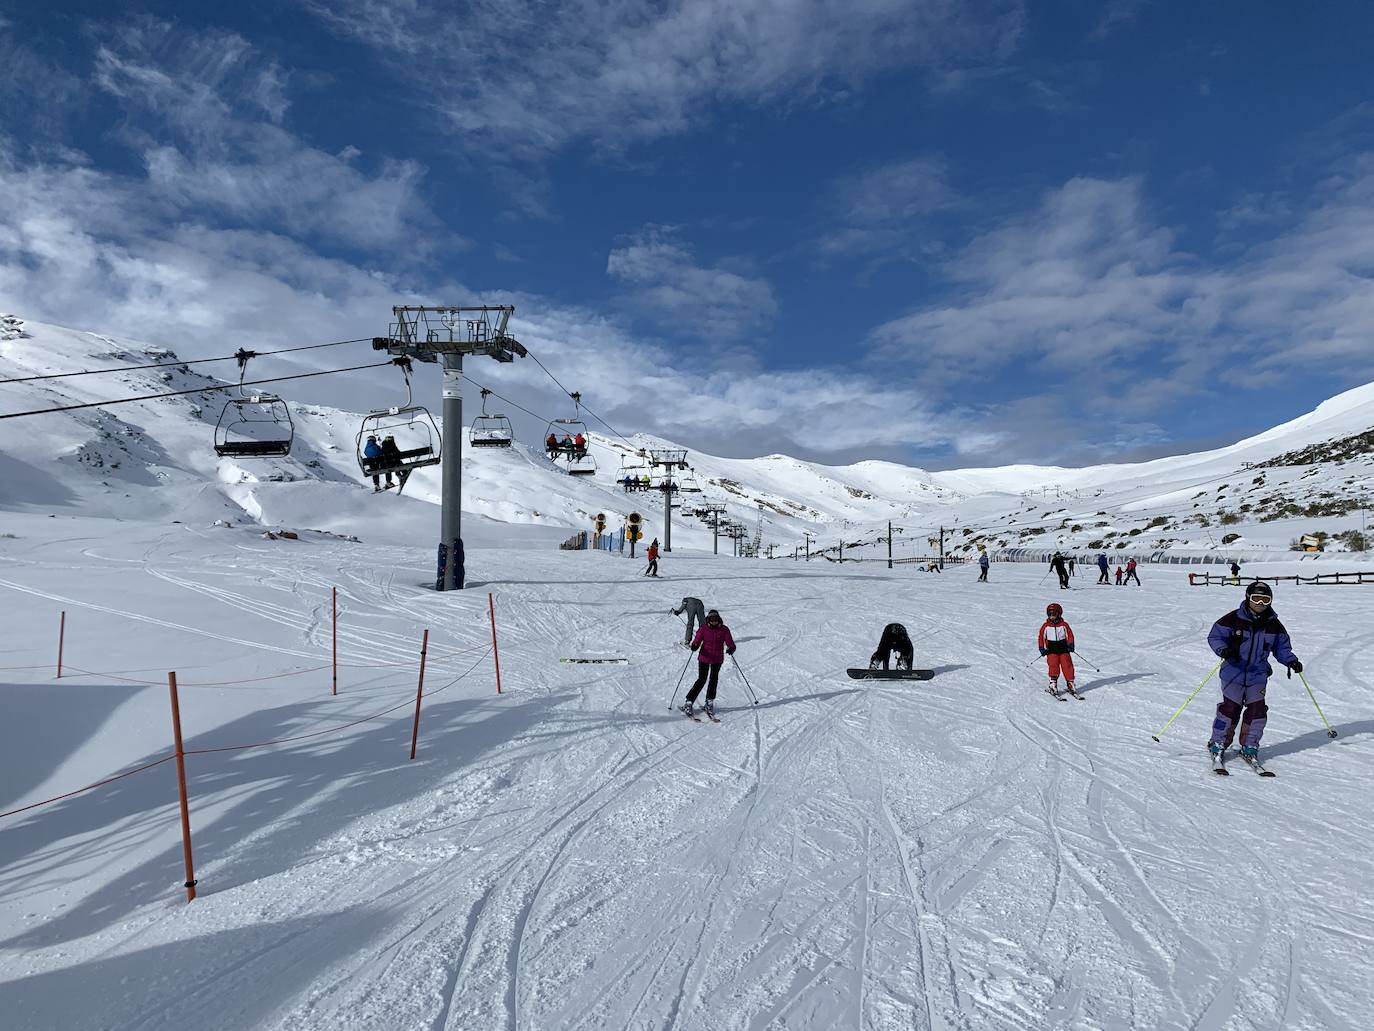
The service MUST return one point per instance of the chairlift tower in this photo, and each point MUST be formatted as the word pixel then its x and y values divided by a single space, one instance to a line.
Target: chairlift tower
pixel 713 512
pixel 668 460
pixel 446 334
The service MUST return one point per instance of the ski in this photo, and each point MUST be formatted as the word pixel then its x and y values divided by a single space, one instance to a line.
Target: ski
pixel 1075 694
pixel 712 718
pixel 1219 764
pixel 1055 695
pixel 1255 765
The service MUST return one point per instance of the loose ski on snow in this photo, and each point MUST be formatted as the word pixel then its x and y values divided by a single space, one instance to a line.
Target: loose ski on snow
pixel 595 660
pixel 891 674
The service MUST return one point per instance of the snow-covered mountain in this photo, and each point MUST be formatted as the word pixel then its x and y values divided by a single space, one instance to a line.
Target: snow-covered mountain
pixel 1309 475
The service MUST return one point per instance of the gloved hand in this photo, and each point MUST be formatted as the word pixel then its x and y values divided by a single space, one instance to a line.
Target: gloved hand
pixel 696 647
pixel 730 651
pixel 1071 648
pixel 1232 650
pixel 1044 651
pixel 1295 666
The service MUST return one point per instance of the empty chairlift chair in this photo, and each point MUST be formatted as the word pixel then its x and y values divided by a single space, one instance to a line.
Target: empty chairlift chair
pixel 253 425
pixel 490 430
pixel 560 442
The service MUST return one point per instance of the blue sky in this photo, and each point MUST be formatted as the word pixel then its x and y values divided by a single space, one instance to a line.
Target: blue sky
pixel 944 233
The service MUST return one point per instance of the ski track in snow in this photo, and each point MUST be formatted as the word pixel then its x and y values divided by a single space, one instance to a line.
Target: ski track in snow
pixel 961 853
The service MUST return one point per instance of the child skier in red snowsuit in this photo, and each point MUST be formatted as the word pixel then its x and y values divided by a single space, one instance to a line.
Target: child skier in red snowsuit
pixel 1056 644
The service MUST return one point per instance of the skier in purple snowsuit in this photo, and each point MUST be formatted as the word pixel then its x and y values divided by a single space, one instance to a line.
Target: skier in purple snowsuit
pixel 1245 639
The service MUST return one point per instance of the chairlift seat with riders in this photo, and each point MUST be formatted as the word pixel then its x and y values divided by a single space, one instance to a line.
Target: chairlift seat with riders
pixel 560 442
pixel 413 436
pixel 253 425
pixel 490 430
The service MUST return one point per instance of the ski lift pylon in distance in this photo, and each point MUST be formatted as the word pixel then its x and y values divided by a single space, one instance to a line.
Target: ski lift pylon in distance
pixel 253 425
pixel 560 442
pixel 490 430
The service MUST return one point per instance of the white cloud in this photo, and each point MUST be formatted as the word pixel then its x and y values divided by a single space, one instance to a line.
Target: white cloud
pixel 622 70
pixel 670 287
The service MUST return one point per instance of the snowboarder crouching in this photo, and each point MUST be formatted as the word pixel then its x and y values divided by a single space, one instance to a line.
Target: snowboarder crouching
pixel 712 643
pixel 1056 645
pixel 894 639
pixel 1245 639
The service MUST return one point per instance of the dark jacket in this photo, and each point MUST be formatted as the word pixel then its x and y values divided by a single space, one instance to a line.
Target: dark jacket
pixel 1259 636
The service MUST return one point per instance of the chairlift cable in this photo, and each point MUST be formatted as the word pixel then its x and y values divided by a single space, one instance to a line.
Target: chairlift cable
pixel 505 399
pixel 165 365
pixel 578 401
pixel 195 390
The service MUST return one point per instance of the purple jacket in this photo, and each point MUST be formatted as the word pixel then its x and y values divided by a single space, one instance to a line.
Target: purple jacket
pixel 713 641
pixel 1259 637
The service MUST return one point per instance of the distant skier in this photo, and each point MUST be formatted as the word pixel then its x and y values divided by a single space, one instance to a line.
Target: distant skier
pixel 1102 566
pixel 1235 571
pixel 652 556
pixel 1073 562
pixel 894 639
pixel 696 616
pixel 1055 642
pixel 1119 574
pixel 712 643
pixel 983 567
pixel 1245 639
pixel 1131 574
pixel 1061 570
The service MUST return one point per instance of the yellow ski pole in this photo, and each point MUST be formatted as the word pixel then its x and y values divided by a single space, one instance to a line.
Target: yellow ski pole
pixel 1330 730
pixel 1190 698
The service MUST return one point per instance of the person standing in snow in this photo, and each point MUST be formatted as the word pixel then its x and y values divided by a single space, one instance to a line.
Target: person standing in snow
pixel 1245 639
pixel 1235 571
pixel 1055 642
pixel 1119 574
pixel 1131 574
pixel 1073 563
pixel 696 616
pixel 1102 578
pixel 652 556
pixel 712 643
pixel 983 567
pixel 1061 570
pixel 894 639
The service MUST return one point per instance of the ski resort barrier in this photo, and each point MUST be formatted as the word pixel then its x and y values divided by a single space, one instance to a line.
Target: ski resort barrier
pixel 1227 580
pixel 585 540
pixel 180 751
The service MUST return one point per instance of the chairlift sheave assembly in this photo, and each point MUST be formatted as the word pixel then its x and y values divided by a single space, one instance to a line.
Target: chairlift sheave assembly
pixel 402 438
pixel 490 430
pixel 560 442
pixel 253 425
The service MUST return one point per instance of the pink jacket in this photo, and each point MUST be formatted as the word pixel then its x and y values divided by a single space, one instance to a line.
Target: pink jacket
pixel 713 640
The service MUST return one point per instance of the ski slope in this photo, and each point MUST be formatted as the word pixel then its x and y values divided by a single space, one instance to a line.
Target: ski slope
pixel 962 853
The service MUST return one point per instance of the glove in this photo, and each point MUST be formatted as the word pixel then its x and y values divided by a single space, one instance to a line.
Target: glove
pixel 1231 651
pixel 1070 648
pixel 730 651
pixel 1044 651
pixel 696 647
pixel 1295 666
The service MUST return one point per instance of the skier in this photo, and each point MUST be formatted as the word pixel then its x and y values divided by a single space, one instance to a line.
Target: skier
pixel 1235 571
pixel 1131 574
pixel 1073 562
pixel 1119 574
pixel 696 616
pixel 391 458
pixel 894 639
pixel 1103 578
pixel 371 452
pixel 1055 641
pixel 652 556
pixel 712 643
pixel 983 567
pixel 1245 639
pixel 1061 570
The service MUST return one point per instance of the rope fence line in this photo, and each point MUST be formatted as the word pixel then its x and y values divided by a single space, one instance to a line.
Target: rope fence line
pixel 89 787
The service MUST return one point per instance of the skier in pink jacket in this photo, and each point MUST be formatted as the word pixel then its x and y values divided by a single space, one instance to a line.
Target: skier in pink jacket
pixel 712 643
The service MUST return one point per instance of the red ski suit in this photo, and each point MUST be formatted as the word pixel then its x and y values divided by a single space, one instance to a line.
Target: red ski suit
pixel 1056 640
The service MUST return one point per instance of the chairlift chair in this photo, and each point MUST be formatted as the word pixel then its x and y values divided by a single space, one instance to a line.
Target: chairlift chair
pixel 490 430
pixel 411 429
pixel 253 425
pixel 580 461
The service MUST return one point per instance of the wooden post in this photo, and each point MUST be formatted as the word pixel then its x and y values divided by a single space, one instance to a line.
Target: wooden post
pixel 181 786
pixel 496 655
pixel 334 608
pixel 419 693
pixel 61 636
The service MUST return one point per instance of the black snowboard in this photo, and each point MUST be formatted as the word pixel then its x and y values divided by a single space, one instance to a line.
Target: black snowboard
pixel 890 674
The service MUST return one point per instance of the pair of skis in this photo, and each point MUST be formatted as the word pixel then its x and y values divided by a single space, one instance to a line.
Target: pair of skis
pixel 1219 765
pixel 1062 696
pixel 697 719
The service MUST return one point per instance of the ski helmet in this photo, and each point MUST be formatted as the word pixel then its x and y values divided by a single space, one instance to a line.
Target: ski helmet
pixel 1054 610
pixel 1259 589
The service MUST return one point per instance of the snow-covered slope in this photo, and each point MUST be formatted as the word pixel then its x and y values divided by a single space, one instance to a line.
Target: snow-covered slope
pixel 155 457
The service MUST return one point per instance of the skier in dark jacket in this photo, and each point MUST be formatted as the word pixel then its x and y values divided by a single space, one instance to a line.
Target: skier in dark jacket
pixel 894 639
pixel 982 567
pixel 712 643
pixel 1103 567
pixel 696 616
pixel 1245 639
pixel 1061 570
pixel 371 451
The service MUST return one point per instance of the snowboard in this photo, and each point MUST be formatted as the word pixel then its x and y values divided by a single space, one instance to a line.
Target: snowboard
pixel 890 674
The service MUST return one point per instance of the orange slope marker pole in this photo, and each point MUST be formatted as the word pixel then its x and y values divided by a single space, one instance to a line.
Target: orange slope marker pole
pixel 181 786
pixel 496 655
pixel 419 693
pixel 61 637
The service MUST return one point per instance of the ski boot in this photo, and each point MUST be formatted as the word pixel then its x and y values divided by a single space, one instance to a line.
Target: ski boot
pixel 1250 753
pixel 904 665
pixel 687 709
pixel 710 709
pixel 1214 749
pixel 1053 688
pixel 875 664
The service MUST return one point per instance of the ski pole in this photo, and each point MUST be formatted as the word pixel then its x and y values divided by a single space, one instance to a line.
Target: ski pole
pixel 1079 655
pixel 1026 666
pixel 1330 730
pixel 1190 698
pixel 745 679
pixel 679 680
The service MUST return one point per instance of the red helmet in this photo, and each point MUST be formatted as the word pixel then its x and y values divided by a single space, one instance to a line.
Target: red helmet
pixel 1054 610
